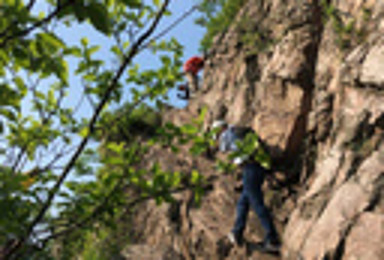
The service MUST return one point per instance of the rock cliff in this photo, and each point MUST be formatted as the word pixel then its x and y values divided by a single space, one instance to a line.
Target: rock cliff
pixel 308 76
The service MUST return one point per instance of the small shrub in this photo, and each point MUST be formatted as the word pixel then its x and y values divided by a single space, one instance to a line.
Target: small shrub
pixel 254 39
pixel 142 122
pixel 346 32
pixel 217 16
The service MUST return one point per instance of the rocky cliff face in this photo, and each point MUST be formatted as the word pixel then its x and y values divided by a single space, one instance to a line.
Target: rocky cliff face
pixel 308 76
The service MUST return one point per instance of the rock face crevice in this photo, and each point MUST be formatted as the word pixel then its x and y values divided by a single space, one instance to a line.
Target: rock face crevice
pixel 313 89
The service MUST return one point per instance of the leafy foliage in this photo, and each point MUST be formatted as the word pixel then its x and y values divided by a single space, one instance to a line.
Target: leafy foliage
pixel 142 123
pixel 217 16
pixel 251 147
pixel 253 37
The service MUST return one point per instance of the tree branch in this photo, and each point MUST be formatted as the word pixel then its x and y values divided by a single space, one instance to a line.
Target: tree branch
pixel 132 53
pixel 30 5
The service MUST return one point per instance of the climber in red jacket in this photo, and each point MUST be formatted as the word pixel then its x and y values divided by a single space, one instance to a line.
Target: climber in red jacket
pixel 191 68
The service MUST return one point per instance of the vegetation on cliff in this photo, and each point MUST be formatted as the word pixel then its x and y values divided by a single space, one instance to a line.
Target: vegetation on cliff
pixel 217 16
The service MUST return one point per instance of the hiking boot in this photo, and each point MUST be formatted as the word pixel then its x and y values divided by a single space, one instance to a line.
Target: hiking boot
pixel 271 247
pixel 235 239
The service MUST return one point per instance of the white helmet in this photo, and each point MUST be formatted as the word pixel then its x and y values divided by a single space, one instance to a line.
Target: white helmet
pixel 219 124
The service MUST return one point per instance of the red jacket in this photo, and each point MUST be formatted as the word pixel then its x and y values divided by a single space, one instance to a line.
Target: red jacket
pixel 194 65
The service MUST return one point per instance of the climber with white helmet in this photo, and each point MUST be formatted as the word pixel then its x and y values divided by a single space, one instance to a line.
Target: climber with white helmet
pixel 252 195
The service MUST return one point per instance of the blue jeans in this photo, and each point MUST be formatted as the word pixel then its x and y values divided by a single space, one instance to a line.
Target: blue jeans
pixel 252 196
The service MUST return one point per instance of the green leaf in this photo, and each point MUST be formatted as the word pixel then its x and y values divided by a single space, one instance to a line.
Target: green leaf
pixel 165 60
pixel 21 55
pixel 116 147
pixel 116 50
pixel 21 86
pixel 74 51
pixel 156 2
pixel 84 41
pixel 93 49
pixel 132 3
pixel 80 11
pixel 189 129
pixel 195 177
pixel 84 132
pixel 63 72
pixel 159 201
pixel 126 44
pixel 176 179
pixel 8 114
pixel 51 41
pixel 98 15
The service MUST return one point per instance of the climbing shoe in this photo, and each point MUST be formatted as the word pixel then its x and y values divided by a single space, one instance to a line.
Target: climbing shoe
pixel 269 247
pixel 235 239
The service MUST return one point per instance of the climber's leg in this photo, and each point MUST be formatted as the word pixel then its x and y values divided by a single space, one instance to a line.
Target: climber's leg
pixel 241 215
pixel 193 82
pixel 187 92
pixel 253 175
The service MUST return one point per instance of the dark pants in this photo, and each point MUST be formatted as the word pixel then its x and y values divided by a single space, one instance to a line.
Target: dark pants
pixel 252 196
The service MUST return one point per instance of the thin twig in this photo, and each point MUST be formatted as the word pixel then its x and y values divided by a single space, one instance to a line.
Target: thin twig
pixel 87 95
pixel 171 26
pixel 51 164
pixel 30 5
pixel 79 104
